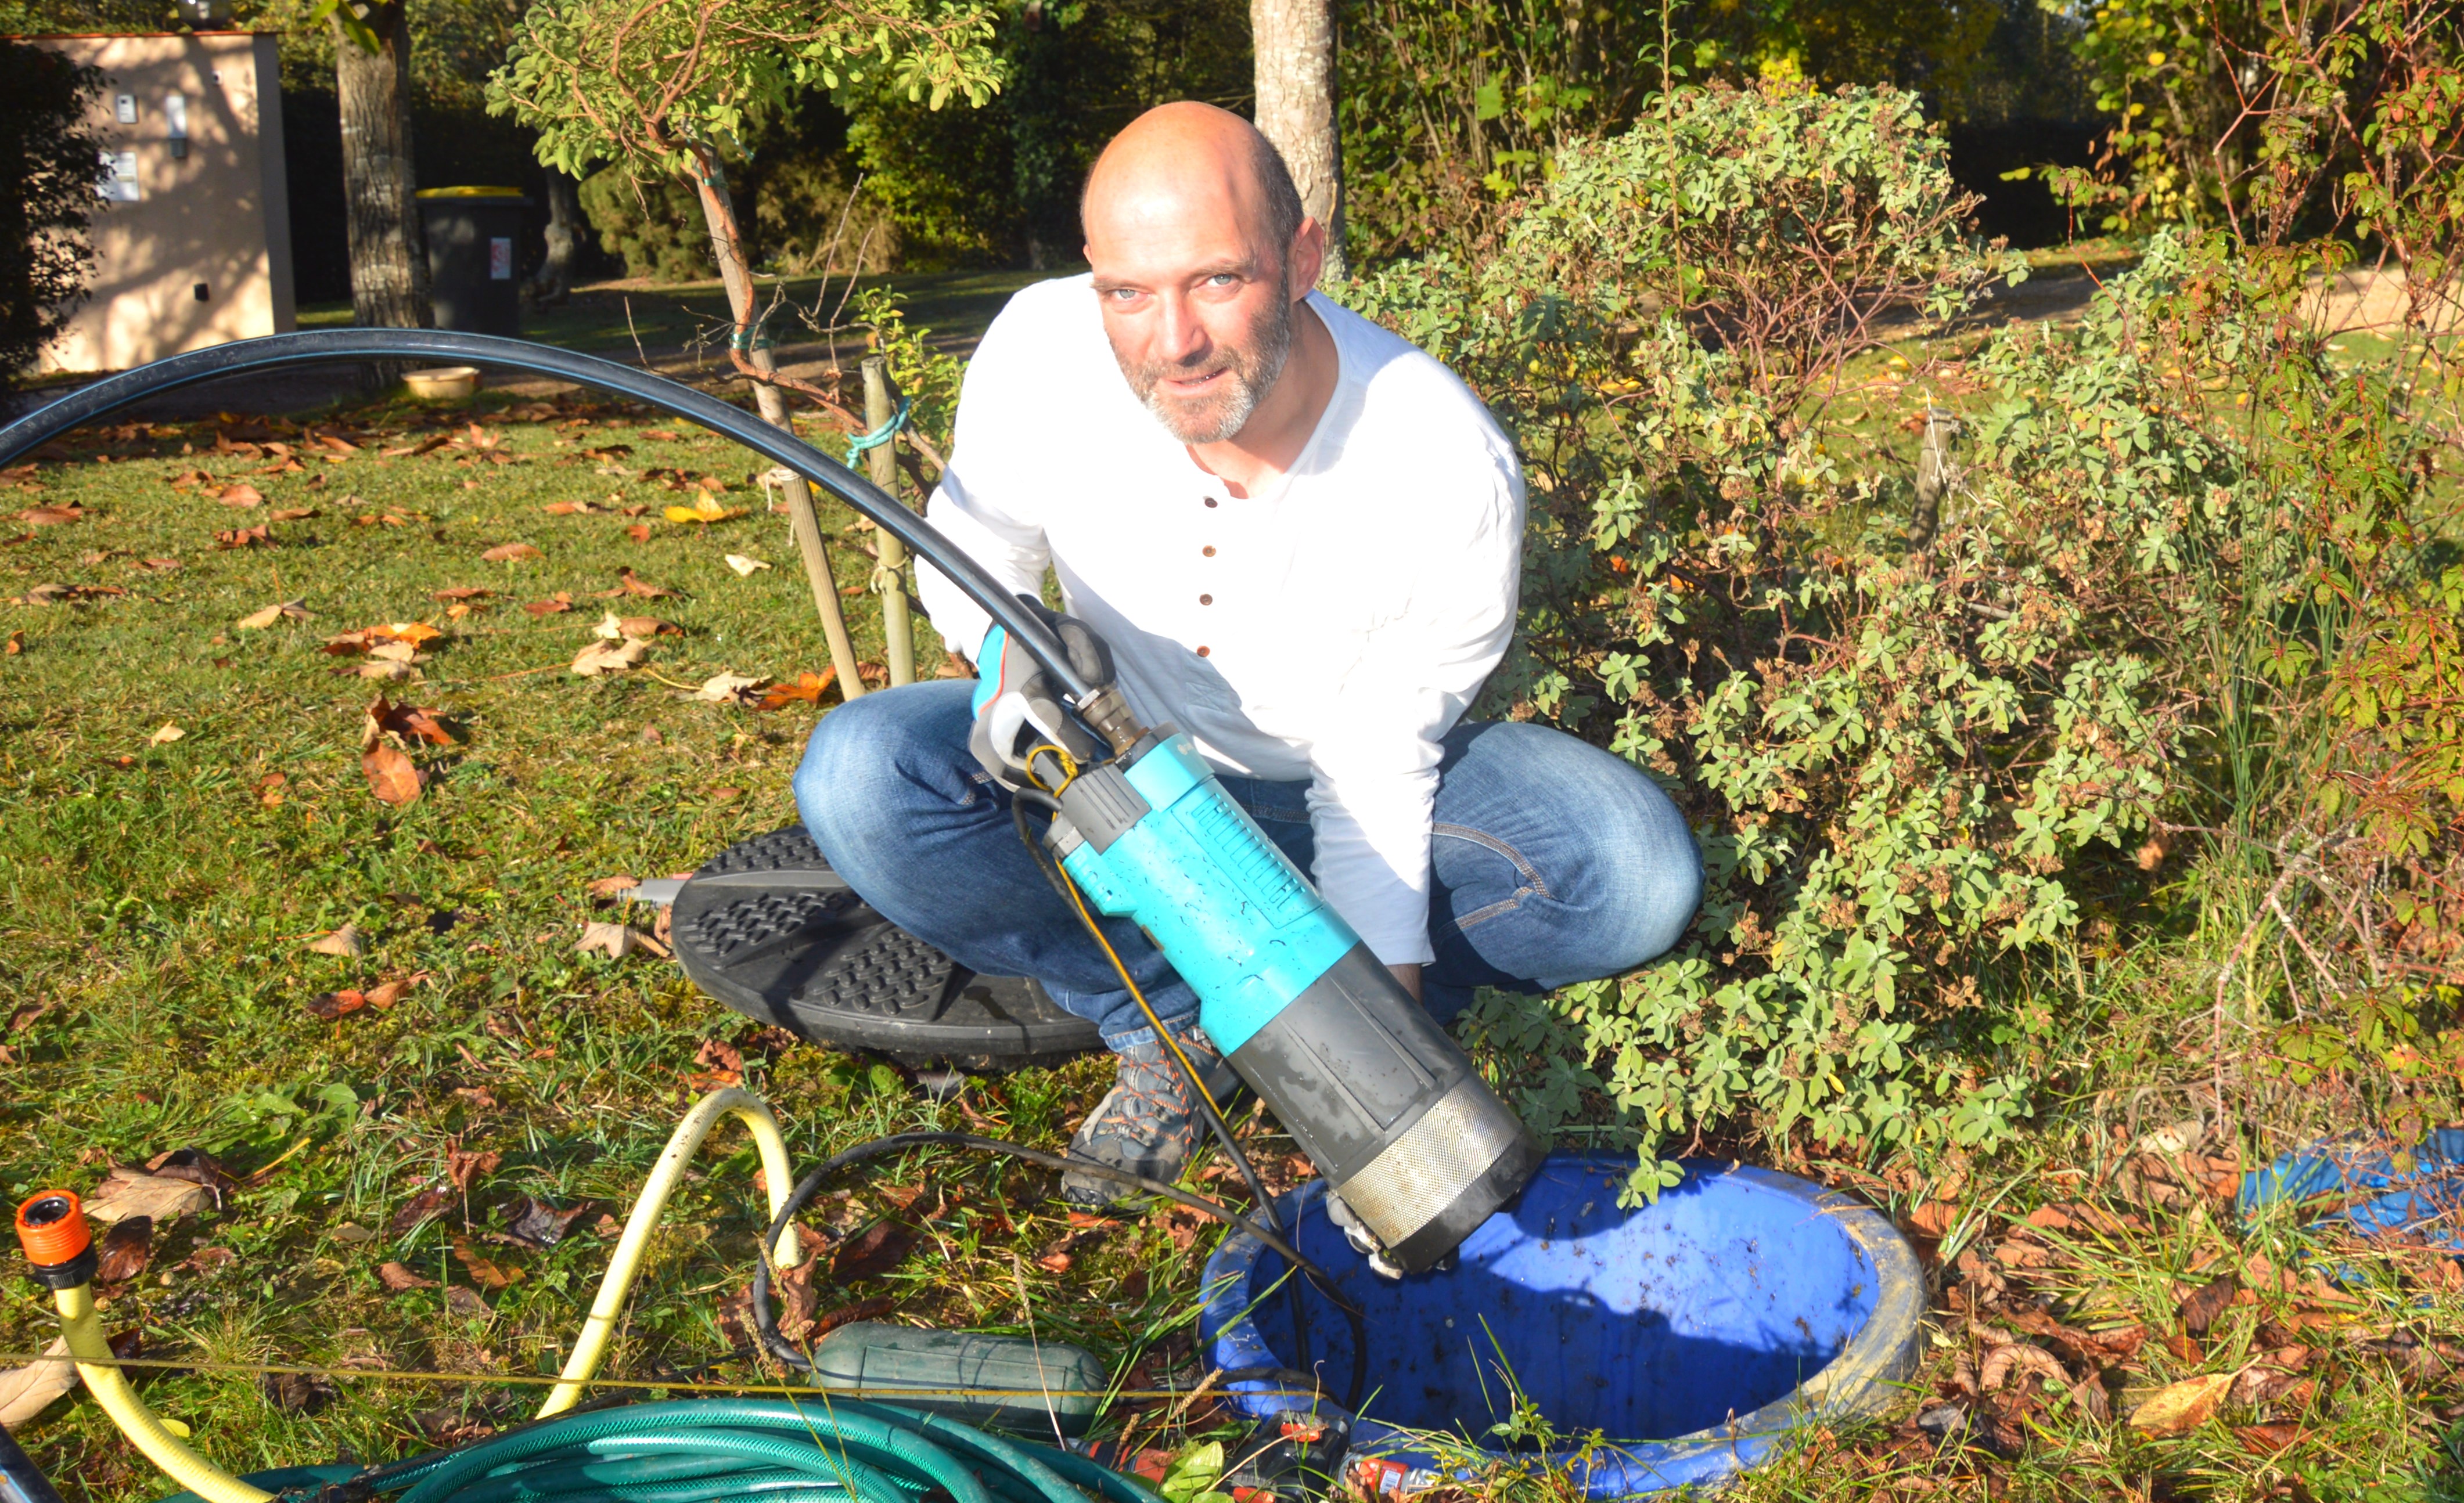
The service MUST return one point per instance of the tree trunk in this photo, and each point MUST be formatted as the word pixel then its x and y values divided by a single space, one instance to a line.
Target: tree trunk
pixel 553 282
pixel 388 249
pixel 727 248
pixel 1294 44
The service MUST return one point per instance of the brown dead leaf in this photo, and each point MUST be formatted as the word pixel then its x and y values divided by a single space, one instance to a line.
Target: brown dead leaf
pixel 346 941
pixel 390 775
pixel 873 1251
pixel 601 656
pixel 402 1281
pixel 463 1166
pixel 159 1198
pixel 15 645
pixel 628 582
pixel 296 610
pixel 727 688
pixel 257 537
pixel 2266 1440
pixel 295 514
pixel 2199 1311
pixel 616 941
pixel 195 1166
pixel 427 446
pixel 1934 1218
pixel 460 592
pixel 483 1272
pixel 2018 1359
pixel 27 1391
pixel 332 1005
pixel 50 515
pixel 723 1061
pixel 122 1253
pixel 505 552
pixel 240 494
pixel 419 1208
pixel 2181 1407
pixel 610 887
pixel 553 606
pixel 536 1224
pixel 805 688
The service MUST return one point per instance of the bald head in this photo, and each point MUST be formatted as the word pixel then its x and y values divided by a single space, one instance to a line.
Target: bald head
pixel 1198 167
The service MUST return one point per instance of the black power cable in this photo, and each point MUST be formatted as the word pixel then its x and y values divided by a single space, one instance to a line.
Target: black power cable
pixel 765 1314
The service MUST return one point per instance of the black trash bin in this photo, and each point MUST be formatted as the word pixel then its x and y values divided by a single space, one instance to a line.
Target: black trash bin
pixel 473 257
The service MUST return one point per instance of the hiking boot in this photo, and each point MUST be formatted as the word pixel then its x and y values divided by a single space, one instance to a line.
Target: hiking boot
pixel 1148 1123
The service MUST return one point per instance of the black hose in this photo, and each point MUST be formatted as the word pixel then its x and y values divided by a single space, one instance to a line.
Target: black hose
pixel 243 356
pixel 765 1316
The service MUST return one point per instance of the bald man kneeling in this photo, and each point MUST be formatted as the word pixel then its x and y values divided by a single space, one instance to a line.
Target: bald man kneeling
pixel 1302 539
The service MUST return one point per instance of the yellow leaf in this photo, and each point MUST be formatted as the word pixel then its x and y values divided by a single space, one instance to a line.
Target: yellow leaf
pixel 2178 1408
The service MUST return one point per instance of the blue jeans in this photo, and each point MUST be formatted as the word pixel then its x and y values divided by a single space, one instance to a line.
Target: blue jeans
pixel 1551 861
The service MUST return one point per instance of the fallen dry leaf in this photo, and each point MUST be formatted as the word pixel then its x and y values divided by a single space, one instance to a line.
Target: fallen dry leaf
pixel 123 1251
pixel 483 1272
pixel 27 1391
pixel 269 790
pixel 628 582
pixel 282 610
pixel 639 532
pixel 346 941
pixel 402 1281
pixel 420 1207
pixel 504 551
pixel 2178 1408
pixel 2266 1440
pixel 331 1004
pixel 2019 1358
pixel 873 1251
pixel 165 735
pixel 195 1166
pixel 463 1166
pixel 50 515
pixel 298 1393
pixel 390 775
pixel 241 494
pixel 540 1225
pixel 609 657
pixel 2199 1311
pixel 553 606
pixel 295 514
pixel 460 592
pixel 727 688
pixel 744 565
pixel 705 510
pixel 257 537
pixel 15 645
pixel 615 941
pixel 805 688
pixel 610 887
pixel 124 1193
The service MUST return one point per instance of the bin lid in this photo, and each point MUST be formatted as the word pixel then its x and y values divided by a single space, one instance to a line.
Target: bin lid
pixel 470 192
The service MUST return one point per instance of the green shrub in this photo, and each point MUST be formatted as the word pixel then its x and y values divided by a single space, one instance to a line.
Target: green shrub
pixel 656 225
pixel 1913 757
pixel 47 156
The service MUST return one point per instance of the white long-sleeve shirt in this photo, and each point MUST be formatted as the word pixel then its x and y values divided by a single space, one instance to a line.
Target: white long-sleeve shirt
pixel 1330 629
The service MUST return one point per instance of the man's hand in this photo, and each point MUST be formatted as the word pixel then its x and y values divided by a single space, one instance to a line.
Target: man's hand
pixel 1410 976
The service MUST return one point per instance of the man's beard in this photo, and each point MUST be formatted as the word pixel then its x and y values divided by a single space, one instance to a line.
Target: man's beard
pixel 1249 372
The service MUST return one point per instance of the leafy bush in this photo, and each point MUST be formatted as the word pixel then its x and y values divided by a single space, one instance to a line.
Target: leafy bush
pixel 1915 760
pixel 656 225
pixel 47 156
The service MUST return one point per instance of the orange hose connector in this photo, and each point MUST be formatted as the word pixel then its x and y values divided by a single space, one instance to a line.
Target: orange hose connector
pixel 51 1228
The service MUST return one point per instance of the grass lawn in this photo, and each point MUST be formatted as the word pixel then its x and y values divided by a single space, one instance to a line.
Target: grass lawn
pixel 164 891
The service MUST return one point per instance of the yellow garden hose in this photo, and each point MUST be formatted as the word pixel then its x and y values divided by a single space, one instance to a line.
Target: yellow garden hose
pixel 52 1227
pixel 627 1265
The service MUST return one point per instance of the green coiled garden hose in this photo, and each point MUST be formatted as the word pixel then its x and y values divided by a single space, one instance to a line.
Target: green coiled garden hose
pixel 697 1451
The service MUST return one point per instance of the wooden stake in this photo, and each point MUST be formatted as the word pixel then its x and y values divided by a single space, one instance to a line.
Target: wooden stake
pixel 879 407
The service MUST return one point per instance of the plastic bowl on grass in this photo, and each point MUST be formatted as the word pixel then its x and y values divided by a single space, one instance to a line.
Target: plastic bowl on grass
pixel 1694 1336
pixel 443 383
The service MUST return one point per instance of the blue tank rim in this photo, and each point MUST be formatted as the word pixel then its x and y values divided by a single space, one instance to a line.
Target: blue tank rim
pixel 1866 1378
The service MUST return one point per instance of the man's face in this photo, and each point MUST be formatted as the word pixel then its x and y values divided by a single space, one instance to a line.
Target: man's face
pixel 1200 314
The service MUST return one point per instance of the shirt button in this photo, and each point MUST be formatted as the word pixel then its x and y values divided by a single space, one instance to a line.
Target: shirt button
pixel 1207 599
pixel 1208 549
pixel 1206 652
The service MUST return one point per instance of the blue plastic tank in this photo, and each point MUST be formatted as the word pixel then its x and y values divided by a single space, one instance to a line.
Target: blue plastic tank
pixel 1692 1335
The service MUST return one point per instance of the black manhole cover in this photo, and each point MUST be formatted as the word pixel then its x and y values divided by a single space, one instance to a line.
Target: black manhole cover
pixel 769 928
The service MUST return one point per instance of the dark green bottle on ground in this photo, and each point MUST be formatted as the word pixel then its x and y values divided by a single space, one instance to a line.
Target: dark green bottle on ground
pixel 1011 1382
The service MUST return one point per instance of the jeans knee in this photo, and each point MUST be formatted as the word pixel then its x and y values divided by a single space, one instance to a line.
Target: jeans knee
pixel 869 761
pixel 1642 883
